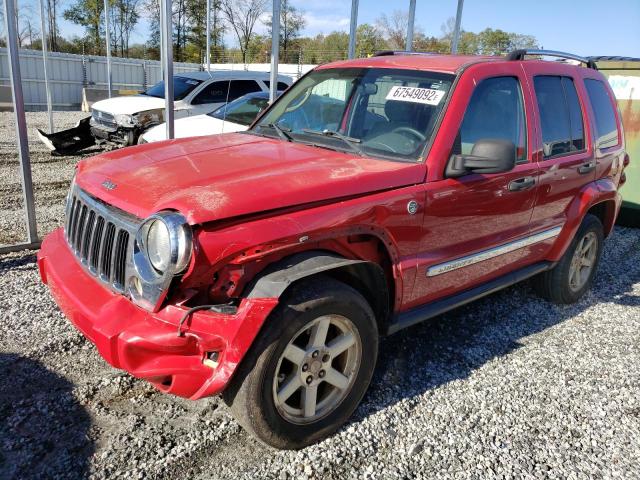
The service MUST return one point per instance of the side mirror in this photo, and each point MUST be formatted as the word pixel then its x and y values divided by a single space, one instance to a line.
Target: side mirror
pixel 487 156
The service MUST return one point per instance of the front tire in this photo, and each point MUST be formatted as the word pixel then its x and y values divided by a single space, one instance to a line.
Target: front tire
pixel 569 280
pixel 310 366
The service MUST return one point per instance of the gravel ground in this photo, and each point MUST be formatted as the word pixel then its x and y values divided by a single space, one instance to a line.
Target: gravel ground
pixel 51 175
pixel 509 386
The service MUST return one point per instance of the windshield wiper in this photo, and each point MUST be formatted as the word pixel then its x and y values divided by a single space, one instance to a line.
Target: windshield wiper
pixel 350 141
pixel 282 133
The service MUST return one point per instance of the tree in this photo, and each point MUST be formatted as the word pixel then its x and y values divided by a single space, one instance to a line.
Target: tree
pixel 124 17
pixel 242 15
pixel 52 28
pixel 494 42
pixel 394 28
pixel 522 41
pixel 369 40
pixel 88 13
pixel 292 21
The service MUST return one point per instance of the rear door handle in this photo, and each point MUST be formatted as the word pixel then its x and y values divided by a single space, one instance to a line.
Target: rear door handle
pixel 587 167
pixel 523 183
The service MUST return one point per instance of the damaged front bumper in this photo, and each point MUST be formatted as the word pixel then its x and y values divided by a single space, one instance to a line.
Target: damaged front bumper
pixel 146 344
pixel 70 141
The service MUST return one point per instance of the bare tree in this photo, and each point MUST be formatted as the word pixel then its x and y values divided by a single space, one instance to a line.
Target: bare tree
pixel 292 21
pixel 52 30
pixel 124 17
pixel 394 28
pixel 242 15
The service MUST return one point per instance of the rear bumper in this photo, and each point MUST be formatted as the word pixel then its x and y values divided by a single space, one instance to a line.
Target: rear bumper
pixel 146 344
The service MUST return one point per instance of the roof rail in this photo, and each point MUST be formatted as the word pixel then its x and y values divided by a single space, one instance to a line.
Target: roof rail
pixel 387 53
pixel 520 54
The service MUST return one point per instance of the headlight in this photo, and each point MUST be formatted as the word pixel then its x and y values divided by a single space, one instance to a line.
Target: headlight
pixel 165 240
pixel 126 120
pixel 158 245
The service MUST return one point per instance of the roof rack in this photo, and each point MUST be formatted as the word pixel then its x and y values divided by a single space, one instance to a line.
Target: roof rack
pixel 387 53
pixel 520 54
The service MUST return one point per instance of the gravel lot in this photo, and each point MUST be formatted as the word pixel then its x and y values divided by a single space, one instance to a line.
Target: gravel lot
pixel 51 175
pixel 509 386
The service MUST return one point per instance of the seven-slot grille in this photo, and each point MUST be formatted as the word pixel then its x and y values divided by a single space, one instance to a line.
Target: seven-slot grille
pixel 99 238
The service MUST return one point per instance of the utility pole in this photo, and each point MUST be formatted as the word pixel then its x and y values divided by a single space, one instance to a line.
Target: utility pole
pixel 456 31
pixel 353 29
pixel 408 46
pixel 275 50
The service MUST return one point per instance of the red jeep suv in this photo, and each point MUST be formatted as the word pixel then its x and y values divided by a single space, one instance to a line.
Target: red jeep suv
pixel 374 194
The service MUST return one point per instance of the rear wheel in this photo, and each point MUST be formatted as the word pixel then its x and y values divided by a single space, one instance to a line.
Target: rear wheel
pixel 568 281
pixel 310 366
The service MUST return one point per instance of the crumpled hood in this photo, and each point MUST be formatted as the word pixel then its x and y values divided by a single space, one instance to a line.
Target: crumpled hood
pixel 128 104
pixel 222 176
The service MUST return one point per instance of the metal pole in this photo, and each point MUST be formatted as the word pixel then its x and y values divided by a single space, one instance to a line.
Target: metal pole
pixel 412 17
pixel 167 42
pixel 456 31
pixel 45 61
pixel 21 122
pixel 275 50
pixel 208 35
pixel 353 29
pixel 106 27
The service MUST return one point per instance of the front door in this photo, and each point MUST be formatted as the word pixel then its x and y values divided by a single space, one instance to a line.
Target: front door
pixel 474 225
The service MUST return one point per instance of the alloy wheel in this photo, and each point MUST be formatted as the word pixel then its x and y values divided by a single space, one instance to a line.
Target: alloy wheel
pixel 317 369
pixel 583 261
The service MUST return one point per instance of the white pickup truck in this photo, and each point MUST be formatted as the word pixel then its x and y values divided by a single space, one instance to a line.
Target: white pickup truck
pixel 120 121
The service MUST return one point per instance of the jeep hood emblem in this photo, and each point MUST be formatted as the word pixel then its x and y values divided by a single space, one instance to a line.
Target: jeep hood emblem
pixel 109 185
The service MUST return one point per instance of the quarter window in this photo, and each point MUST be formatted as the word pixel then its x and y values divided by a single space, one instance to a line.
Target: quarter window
pixel 606 126
pixel 496 112
pixel 560 115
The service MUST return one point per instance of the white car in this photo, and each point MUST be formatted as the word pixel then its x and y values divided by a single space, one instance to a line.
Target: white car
pixel 121 120
pixel 232 117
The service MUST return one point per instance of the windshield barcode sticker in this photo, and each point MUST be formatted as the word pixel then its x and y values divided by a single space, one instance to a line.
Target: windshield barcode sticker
pixel 427 96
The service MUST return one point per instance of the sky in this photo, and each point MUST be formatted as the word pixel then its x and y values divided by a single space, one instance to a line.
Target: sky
pixel 583 27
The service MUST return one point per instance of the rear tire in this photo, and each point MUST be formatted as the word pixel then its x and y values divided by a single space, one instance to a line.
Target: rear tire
pixel 568 281
pixel 293 388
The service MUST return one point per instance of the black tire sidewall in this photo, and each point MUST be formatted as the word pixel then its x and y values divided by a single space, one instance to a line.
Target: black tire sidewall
pixel 303 306
pixel 589 224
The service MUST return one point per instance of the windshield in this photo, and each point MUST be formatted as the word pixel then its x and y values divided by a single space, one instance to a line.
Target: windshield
pixel 382 112
pixel 182 86
pixel 243 110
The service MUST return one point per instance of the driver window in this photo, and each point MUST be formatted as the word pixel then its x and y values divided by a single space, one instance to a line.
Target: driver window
pixel 495 111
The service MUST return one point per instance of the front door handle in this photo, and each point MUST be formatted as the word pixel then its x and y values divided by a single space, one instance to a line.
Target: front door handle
pixel 587 167
pixel 522 184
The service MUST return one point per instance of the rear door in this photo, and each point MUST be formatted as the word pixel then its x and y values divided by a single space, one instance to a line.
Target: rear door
pixel 564 152
pixel 472 223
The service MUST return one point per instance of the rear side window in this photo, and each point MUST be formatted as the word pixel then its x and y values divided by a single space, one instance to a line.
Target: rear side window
pixel 242 87
pixel 495 111
pixel 560 115
pixel 281 85
pixel 607 129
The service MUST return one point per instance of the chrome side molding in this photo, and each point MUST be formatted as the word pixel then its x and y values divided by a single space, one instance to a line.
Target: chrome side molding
pixel 492 252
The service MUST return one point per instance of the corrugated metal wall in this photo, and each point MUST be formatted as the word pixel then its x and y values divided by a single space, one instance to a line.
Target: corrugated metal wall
pixel 69 73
